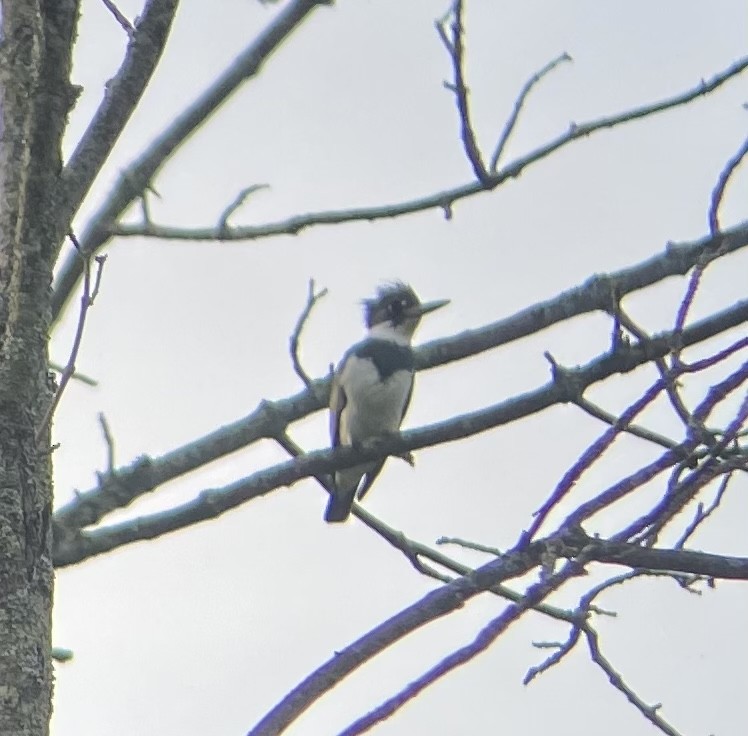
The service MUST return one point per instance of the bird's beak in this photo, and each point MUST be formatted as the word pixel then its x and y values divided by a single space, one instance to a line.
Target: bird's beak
pixel 419 310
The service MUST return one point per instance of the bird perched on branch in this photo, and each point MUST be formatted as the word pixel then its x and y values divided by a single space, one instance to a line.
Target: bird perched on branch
pixel 372 385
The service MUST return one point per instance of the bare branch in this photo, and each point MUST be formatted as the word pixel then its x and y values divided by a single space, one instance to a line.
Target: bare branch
pixel 598 412
pixel 442 201
pixel 467 544
pixel 562 649
pixel 414 551
pixel 679 494
pixel 312 298
pixel 456 53
pixel 669 377
pixel 87 301
pixel 137 177
pixel 482 641
pixel 721 186
pixel 524 93
pixel 121 96
pixel 650 712
pixel 591 455
pixel 712 360
pixel 714 228
pixel 702 513
pixel 223 220
pixel 89 507
pixel 432 606
pixel 109 441
pixel 669 459
pixel 127 27
pixel 82 377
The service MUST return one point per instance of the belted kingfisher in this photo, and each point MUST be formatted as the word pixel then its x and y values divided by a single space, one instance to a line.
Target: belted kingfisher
pixel 372 385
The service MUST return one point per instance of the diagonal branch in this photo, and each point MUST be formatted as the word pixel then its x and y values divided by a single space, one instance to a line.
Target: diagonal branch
pixel 431 607
pixel 414 551
pixel 121 96
pixel 72 547
pixel 524 93
pixel 574 545
pixel 721 186
pixel 125 24
pixel 121 488
pixel 487 636
pixel 137 177
pixel 650 712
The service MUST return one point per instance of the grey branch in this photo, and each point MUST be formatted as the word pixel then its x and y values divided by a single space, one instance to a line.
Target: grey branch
pixel 121 488
pixel 440 200
pixel 87 299
pixel 223 220
pixel 125 24
pixel 721 186
pixel 571 544
pixel 137 177
pixel 524 93
pixel 121 97
pixel 72 546
pixel 312 298
pixel 431 607
pixel 456 51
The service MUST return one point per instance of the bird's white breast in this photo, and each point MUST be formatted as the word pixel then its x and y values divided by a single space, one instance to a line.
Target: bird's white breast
pixel 373 406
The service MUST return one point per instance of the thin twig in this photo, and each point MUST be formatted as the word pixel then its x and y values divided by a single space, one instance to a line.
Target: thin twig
pixel 669 376
pixel 60 654
pixel 82 377
pixel 223 219
pixel 650 712
pixel 520 101
pixel 591 455
pixel 120 18
pixel 86 302
pixel 311 300
pixel 714 228
pixel 719 189
pixel 702 513
pixel 535 593
pixel 467 544
pixel 458 87
pixel 414 550
pixel 598 412
pixel 647 527
pixel 109 441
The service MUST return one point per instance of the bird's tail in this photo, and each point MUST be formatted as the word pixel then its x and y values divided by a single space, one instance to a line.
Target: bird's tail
pixel 339 506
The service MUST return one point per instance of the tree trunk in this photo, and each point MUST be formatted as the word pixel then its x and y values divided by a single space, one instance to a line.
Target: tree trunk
pixel 35 98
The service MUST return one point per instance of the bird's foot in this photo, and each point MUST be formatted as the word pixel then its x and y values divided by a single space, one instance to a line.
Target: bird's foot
pixel 408 458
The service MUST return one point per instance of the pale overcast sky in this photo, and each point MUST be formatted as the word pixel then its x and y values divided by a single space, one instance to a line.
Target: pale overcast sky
pixel 202 631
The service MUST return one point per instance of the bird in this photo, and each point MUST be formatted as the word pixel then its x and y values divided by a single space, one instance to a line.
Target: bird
pixel 372 385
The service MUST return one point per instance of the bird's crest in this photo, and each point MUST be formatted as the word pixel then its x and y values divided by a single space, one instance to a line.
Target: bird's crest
pixel 390 303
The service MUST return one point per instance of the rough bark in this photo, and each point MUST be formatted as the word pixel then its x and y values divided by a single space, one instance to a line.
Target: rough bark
pixel 35 98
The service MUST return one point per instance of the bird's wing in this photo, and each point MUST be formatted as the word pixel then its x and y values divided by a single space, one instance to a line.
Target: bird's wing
pixel 369 479
pixel 338 401
pixel 407 399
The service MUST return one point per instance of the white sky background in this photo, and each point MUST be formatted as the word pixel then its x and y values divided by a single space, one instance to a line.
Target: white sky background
pixel 202 631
